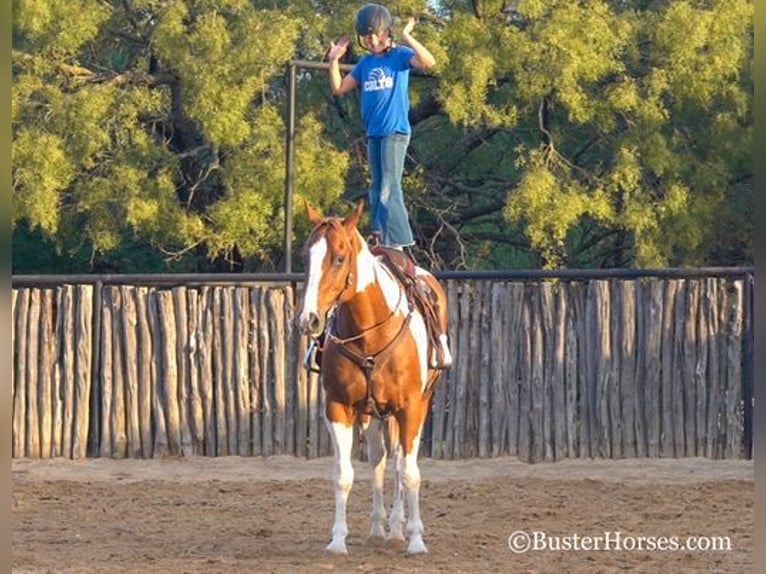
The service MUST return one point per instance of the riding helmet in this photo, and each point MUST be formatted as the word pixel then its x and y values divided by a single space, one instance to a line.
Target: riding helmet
pixel 372 19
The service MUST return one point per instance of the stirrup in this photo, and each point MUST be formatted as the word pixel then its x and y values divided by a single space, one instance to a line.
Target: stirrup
pixel 309 360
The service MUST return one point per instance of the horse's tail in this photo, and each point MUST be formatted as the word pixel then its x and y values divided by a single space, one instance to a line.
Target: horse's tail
pixel 391 435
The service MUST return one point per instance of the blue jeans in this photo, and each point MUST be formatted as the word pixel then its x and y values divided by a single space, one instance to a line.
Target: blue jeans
pixel 388 212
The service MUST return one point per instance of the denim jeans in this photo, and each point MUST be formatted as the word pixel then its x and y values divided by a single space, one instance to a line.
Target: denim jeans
pixel 388 212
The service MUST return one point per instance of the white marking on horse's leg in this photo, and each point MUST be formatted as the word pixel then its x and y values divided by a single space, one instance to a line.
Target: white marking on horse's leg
pixel 396 519
pixel 376 453
pixel 316 255
pixel 343 480
pixel 412 486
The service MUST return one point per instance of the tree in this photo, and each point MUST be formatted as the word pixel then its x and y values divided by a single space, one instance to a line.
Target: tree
pixel 632 123
pixel 159 120
pixel 584 134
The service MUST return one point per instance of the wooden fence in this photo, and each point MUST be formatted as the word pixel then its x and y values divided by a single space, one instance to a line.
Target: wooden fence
pixel 544 370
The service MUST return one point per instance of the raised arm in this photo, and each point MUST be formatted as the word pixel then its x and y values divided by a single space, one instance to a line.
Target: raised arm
pixel 339 85
pixel 423 59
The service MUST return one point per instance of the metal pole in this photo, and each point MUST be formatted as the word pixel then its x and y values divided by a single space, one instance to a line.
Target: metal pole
pixel 289 165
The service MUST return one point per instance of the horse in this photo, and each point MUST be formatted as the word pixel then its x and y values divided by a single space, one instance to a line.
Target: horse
pixel 375 369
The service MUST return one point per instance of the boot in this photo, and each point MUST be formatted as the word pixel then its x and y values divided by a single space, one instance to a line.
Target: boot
pixel 441 356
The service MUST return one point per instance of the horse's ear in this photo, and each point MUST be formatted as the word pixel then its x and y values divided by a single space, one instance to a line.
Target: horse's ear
pixel 313 215
pixel 352 219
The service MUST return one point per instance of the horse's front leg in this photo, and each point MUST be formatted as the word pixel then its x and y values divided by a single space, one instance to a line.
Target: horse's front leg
pixel 376 454
pixel 342 434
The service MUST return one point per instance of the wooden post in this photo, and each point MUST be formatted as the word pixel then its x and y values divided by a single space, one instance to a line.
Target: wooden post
pixel 471 437
pixel 626 346
pixel 558 412
pixel 207 375
pixel 537 374
pixel 688 381
pixel 119 360
pixel 484 371
pixel 105 445
pixel 145 378
pixel 498 407
pixel 181 322
pixel 169 376
pixel 734 406
pixel 130 345
pixel 46 370
pixel 517 326
pixel 84 349
pixel 32 446
pixel 701 372
pixel 547 311
pixel 463 368
pixel 194 357
pixel 525 451
pixel 267 380
pixel 571 369
pixel 612 304
pixel 160 448
pixel 275 302
pixel 653 372
pixel 257 351
pixel 229 376
pixel 240 381
pixel 677 372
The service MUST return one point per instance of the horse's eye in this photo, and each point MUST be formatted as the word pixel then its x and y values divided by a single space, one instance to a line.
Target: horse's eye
pixel 339 260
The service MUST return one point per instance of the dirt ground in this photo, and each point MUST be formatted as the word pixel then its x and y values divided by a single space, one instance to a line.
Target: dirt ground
pixel 236 514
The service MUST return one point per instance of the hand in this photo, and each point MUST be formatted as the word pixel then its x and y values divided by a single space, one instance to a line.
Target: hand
pixel 337 50
pixel 409 26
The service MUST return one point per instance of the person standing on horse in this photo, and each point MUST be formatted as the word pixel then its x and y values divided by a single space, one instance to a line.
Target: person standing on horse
pixel 383 76
pixel 383 79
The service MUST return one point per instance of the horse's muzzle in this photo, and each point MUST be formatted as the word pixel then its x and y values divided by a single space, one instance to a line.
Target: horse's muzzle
pixel 311 324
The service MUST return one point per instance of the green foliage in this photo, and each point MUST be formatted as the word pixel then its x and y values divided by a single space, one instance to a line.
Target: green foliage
pixel 550 133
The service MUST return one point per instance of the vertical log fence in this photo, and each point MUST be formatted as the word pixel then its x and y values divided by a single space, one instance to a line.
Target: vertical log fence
pixel 548 366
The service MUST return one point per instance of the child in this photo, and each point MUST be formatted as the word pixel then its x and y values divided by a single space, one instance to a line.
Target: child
pixel 383 79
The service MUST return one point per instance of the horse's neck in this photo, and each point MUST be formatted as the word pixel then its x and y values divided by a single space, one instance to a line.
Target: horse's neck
pixel 377 294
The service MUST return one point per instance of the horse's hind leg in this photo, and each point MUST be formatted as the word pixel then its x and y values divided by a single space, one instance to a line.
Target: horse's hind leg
pixel 342 434
pixel 411 424
pixel 376 453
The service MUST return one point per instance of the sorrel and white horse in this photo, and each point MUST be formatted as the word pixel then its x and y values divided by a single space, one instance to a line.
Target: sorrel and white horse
pixel 374 369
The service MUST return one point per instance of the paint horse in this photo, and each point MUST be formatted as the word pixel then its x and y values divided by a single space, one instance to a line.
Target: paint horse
pixel 374 369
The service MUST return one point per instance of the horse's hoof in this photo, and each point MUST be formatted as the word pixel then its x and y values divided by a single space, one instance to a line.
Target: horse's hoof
pixel 377 533
pixel 338 548
pixel 416 547
pixel 397 535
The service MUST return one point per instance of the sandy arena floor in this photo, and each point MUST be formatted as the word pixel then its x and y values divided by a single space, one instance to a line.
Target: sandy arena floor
pixel 236 514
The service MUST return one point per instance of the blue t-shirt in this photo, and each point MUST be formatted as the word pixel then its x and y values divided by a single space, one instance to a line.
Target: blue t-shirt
pixel 383 81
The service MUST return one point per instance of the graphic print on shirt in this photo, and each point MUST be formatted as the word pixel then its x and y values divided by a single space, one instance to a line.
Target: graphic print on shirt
pixel 378 80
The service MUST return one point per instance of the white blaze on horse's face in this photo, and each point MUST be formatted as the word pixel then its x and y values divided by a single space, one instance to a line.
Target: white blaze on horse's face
pixel 310 312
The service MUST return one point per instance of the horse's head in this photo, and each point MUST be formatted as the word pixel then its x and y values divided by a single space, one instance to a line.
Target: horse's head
pixel 330 253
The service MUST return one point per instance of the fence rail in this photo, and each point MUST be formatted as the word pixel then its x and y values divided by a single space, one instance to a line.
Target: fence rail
pixel 545 370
